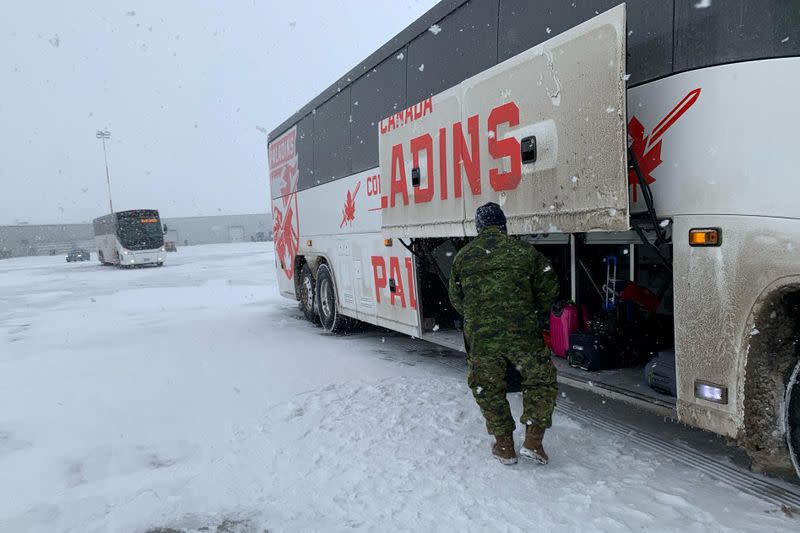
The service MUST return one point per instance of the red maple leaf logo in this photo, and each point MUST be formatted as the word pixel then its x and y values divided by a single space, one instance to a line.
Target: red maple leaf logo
pixel 349 211
pixel 647 149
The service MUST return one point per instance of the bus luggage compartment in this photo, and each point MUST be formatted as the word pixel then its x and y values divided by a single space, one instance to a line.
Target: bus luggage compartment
pixel 542 134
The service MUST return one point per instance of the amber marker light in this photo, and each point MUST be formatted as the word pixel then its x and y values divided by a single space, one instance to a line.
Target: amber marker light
pixel 387 242
pixel 705 237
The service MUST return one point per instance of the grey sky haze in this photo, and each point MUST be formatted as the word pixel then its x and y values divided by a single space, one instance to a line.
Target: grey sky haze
pixel 185 87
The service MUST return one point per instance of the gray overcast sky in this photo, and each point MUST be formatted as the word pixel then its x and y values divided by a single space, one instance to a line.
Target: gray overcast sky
pixel 182 85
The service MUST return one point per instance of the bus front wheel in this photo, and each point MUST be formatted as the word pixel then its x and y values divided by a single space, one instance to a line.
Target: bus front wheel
pixel 306 293
pixel 329 315
pixel 792 406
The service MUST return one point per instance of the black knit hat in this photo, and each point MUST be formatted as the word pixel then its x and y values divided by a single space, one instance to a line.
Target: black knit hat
pixel 489 214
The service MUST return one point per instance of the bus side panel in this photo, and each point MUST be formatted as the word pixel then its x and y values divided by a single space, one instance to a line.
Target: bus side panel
pixel 711 140
pixel 715 291
pixel 108 245
pixel 340 222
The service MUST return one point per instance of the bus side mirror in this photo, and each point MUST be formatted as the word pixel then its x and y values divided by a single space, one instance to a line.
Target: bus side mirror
pixel 165 229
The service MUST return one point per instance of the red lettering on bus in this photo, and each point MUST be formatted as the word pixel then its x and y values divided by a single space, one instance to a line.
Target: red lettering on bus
pixel 382 280
pixel 443 163
pixel 397 276
pixel 410 114
pixel 472 162
pixel 374 185
pixel 399 184
pixel 378 265
pixel 419 144
pixel 412 298
pixel 507 113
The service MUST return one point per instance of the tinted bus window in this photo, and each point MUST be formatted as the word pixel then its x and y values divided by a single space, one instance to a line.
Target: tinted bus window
pixel 374 96
pixel 524 24
pixel 465 45
pixel 305 152
pixel 332 138
pixel 735 30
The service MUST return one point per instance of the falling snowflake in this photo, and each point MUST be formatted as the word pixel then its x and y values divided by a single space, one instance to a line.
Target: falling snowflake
pixel 422 67
pixel 436 327
pixel 548 268
pixel 435 29
pixel 548 30
pixel 400 56
pixel 478 389
pixel 702 4
pixel 610 109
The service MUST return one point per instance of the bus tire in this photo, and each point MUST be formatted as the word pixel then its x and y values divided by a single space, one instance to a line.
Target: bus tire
pixel 329 316
pixel 306 294
pixel 793 418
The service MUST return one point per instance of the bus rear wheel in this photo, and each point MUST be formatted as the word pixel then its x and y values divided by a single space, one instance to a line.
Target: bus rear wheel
pixel 329 315
pixel 306 294
pixel 793 418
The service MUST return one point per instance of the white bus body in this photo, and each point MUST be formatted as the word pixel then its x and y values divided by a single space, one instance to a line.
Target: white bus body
pixel 130 238
pixel 713 144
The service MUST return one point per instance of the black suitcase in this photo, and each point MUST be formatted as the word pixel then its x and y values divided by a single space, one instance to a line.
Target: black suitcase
pixel 660 373
pixel 588 351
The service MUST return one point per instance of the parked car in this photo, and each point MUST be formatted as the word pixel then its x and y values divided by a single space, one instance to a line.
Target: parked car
pixel 169 246
pixel 78 254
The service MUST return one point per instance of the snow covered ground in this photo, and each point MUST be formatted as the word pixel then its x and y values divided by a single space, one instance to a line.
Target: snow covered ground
pixel 193 398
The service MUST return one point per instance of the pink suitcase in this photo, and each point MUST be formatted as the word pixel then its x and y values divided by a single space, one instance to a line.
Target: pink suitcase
pixel 561 326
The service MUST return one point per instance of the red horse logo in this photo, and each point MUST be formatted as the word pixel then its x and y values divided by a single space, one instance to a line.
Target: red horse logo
pixel 349 211
pixel 647 148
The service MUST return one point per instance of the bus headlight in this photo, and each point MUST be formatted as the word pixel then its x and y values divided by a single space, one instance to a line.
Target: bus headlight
pixel 125 252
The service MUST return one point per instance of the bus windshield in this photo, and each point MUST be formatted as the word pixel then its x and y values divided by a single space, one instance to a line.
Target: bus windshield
pixel 140 230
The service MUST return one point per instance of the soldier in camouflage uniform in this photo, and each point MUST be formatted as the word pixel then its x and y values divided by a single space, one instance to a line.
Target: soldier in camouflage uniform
pixel 502 286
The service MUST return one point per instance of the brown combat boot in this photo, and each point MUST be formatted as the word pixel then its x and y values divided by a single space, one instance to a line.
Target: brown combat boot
pixel 503 449
pixel 532 447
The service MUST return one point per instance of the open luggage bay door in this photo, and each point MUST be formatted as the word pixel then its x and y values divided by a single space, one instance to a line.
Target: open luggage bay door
pixel 542 134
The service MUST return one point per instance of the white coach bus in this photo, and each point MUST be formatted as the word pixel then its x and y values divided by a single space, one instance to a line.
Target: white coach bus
pixel 649 142
pixel 130 238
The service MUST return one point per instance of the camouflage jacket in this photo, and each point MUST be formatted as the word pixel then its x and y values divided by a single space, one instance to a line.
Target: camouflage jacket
pixel 501 286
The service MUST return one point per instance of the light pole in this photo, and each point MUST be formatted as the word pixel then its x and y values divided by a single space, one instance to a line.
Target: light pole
pixel 103 135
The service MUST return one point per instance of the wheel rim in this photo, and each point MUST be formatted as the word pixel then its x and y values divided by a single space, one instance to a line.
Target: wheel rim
pixel 326 297
pixel 309 292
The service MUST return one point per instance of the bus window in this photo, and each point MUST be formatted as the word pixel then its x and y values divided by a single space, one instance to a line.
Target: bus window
pixel 305 152
pixel 332 138
pixel 524 24
pixel 374 96
pixel 724 33
pixel 466 45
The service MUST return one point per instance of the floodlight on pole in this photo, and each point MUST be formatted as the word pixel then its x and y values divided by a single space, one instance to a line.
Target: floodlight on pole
pixel 103 135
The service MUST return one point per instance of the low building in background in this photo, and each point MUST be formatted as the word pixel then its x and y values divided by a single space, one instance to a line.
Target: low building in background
pixel 58 239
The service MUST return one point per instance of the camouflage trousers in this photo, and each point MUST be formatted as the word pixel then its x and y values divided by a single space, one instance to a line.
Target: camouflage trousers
pixel 487 379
